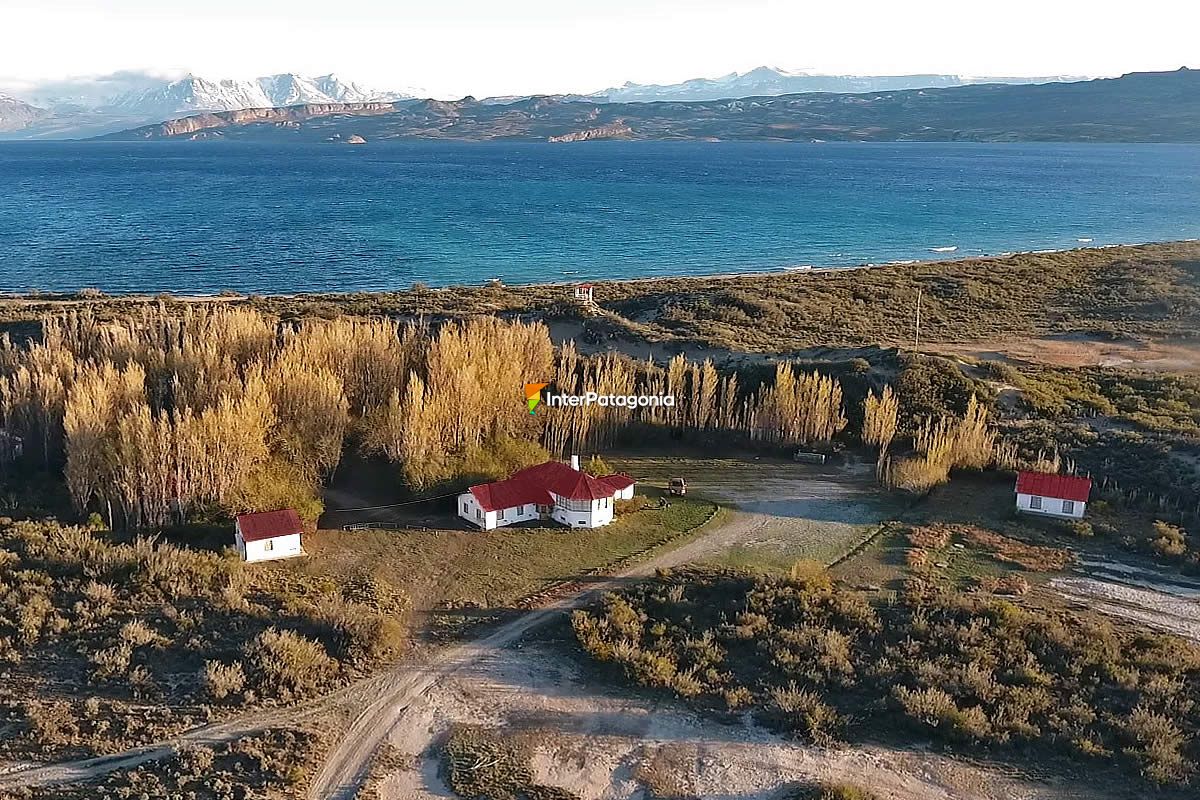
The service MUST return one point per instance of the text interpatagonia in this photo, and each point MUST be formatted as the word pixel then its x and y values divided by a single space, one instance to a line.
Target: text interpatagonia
pixel 609 400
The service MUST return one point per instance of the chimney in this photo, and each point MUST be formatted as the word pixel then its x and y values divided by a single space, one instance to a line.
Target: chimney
pixel 575 463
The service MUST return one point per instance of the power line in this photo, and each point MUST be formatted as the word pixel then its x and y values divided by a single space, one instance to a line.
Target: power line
pixel 394 505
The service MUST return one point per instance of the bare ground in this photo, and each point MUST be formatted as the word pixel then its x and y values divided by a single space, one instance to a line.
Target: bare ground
pixel 595 743
pixel 1082 350
pixel 1136 594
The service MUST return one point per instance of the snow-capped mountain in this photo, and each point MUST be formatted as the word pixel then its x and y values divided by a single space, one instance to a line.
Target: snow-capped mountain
pixel 93 106
pixel 194 93
pixel 16 114
pixel 772 81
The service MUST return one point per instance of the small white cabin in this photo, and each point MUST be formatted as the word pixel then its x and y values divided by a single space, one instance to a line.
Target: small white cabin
pixel 1063 496
pixel 268 535
pixel 583 293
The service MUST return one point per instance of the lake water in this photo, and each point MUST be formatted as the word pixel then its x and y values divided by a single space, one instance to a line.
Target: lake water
pixel 202 217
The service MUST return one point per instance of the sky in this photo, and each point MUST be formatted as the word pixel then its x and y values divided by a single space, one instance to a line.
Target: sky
pixel 452 48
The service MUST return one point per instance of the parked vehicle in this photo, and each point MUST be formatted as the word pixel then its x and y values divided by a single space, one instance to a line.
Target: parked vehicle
pixel 677 487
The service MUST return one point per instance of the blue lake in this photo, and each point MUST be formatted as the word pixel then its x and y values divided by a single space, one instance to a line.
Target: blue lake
pixel 202 217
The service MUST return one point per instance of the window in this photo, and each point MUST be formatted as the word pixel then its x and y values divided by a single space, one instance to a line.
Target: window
pixel 464 508
pixel 1035 502
pixel 500 515
pixel 573 505
pixel 478 513
pixel 269 544
pixel 1068 506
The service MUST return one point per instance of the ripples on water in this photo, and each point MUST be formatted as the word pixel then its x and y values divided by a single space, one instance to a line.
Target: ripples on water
pixel 202 217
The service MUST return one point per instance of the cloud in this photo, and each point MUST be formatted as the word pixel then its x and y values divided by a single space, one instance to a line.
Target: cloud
pixel 88 90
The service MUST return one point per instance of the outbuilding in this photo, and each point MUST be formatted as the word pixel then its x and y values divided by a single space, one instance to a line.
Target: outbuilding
pixel 268 535
pixel 1064 496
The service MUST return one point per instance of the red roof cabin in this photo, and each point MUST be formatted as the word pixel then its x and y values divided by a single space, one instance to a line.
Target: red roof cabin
pixel 268 535
pixel 1063 496
pixel 549 491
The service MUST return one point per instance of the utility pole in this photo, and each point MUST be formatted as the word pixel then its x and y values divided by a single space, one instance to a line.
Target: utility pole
pixel 917 326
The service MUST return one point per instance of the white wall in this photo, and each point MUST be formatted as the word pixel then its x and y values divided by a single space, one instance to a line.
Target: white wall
pixel 469 509
pixel 598 515
pixel 1051 507
pixel 269 549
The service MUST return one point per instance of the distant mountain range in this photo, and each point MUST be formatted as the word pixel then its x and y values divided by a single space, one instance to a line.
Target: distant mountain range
pixel 91 107
pixel 88 107
pixel 772 81
pixel 16 114
pixel 1139 107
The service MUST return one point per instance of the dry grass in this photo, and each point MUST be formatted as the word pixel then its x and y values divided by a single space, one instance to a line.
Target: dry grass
pixel 487 569
pixel 109 645
pixel 1031 557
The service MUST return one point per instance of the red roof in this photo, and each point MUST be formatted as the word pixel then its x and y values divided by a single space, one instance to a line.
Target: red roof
pixel 1062 487
pixel 535 485
pixel 617 482
pixel 269 524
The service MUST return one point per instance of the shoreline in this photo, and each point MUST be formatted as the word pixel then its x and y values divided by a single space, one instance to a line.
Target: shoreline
pixel 74 296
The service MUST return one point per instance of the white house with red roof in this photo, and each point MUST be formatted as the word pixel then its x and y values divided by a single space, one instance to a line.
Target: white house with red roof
pixel 268 535
pixel 550 491
pixel 1063 496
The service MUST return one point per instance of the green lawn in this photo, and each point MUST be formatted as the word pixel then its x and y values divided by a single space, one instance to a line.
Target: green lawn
pixel 492 568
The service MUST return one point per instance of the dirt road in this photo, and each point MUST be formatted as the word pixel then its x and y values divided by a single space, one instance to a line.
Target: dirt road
pixel 600 742
pixel 347 764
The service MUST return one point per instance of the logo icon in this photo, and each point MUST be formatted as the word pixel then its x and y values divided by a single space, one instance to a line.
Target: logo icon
pixel 533 394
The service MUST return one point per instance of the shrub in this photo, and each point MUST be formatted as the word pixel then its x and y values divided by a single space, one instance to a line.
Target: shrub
pixel 483 764
pixel 1156 743
pixel 1168 540
pixel 137 633
pixel 917 475
pixel 597 467
pixel 1081 528
pixel 804 712
pixel 639 502
pixel 362 632
pixel 829 791
pixel 967 668
pixel 111 662
pixel 930 537
pixel 285 664
pixel 222 680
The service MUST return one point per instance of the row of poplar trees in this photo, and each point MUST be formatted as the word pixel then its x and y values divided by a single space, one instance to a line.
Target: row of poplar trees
pixel 156 415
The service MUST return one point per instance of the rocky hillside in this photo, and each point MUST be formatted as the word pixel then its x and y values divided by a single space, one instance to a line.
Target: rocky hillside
pixel 16 115
pixel 1139 107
